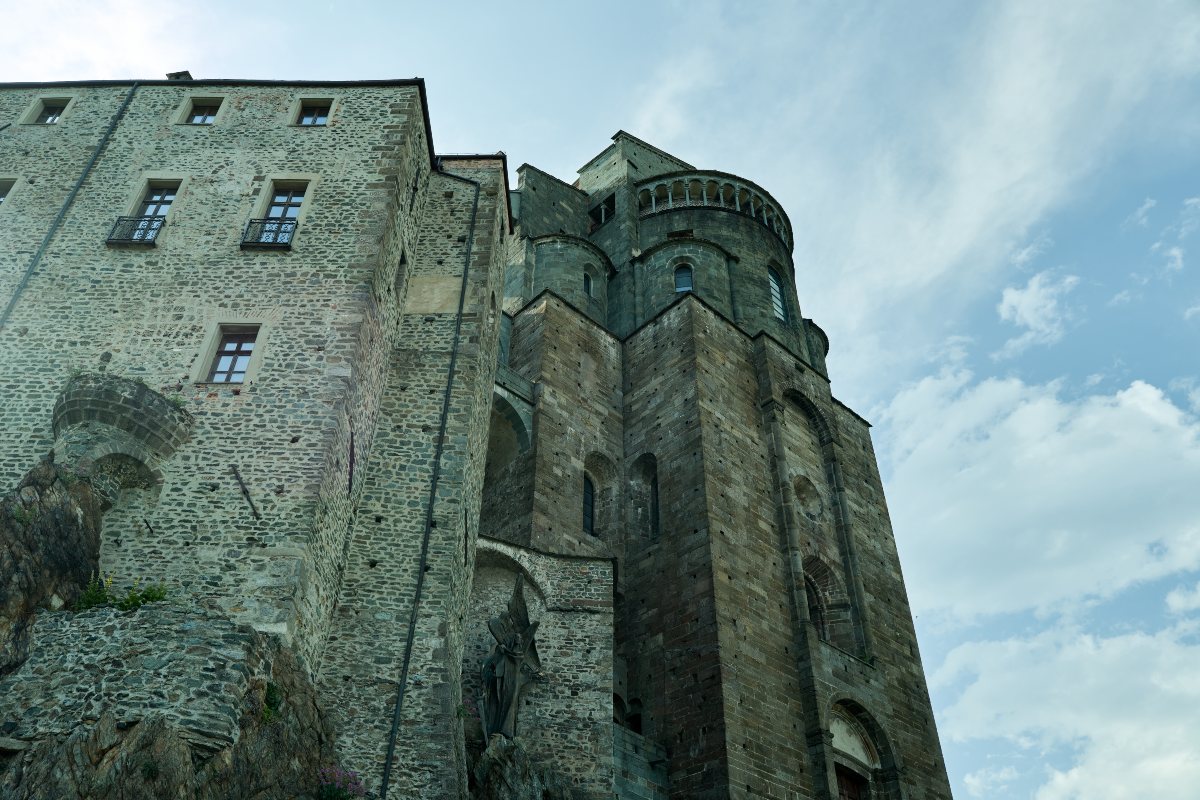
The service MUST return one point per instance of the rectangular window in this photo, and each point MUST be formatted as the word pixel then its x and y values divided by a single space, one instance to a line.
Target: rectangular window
pixel 151 213
pixel 5 188
pixel 314 113
pixel 204 112
pixel 158 199
pixel 278 226
pixel 52 111
pixel 232 358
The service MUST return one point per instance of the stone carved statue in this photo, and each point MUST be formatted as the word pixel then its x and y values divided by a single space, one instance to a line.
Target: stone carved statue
pixel 512 663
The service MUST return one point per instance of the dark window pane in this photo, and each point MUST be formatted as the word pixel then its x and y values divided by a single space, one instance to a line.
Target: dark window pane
pixel 683 279
pixel 589 507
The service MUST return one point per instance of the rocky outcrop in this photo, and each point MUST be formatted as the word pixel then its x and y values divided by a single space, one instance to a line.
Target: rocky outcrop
pixel 505 772
pixel 49 548
pixel 161 703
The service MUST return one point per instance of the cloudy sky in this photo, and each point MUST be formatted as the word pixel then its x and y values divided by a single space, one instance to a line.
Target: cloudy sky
pixel 997 210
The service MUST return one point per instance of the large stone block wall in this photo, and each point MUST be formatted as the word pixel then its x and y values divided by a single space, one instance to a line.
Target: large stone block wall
pixel 754 248
pixel 756 628
pixel 550 206
pixel 668 634
pixel 640 772
pixel 576 364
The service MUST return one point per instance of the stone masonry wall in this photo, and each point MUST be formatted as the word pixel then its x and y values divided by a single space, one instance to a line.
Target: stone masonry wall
pixel 147 313
pixel 392 545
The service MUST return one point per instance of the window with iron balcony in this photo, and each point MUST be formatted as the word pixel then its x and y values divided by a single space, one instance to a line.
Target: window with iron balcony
pixel 278 228
pixel 143 228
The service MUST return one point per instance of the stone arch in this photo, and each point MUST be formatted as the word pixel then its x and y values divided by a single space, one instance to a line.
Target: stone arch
pixel 506 473
pixel 599 469
pixel 829 607
pixel 825 432
pixel 149 418
pixel 508 436
pixel 861 750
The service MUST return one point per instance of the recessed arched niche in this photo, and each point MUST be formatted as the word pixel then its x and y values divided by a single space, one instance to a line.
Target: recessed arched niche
pixel 808 499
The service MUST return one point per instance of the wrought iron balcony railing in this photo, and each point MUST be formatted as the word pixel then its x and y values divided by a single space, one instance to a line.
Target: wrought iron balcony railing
pixel 136 230
pixel 272 233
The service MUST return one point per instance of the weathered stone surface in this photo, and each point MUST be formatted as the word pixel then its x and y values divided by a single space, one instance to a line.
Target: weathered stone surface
pixel 261 737
pixel 505 772
pixel 49 547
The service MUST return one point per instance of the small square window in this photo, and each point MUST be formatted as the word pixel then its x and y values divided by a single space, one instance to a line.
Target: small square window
pixel 232 358
pixel 203 112
pixel 314 113
pixel 6 188
pixel 51 112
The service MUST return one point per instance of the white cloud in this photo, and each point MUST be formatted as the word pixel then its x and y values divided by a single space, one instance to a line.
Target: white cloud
pixel 987 781
pixel 1128 705
pixel 1024 255
pixel 1191 312
pixel 1141 217
pixel 111 39
pixel 1189 217
pixel 1121 298
pixel 1036 308
pixel 1182 600
pixel 1174 257
pixel 1190 388
pixel 1007 497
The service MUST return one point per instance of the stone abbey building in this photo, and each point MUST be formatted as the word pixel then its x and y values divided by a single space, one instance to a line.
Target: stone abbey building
pixel 337 392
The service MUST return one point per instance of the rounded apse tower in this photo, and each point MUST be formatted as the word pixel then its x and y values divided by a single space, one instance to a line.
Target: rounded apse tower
pixel 662 403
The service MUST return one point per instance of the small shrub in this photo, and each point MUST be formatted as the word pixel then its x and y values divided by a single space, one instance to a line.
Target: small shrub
pixel 149 770
pixel 99 594
pixel 340 784
pixel 272 702
pixel 96 594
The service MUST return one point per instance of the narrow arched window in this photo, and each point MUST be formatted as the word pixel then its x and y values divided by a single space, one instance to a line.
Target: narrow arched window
pixel 683 278
pixel 778 305
pixel 587 284
pixel 589 506
pixel 655 527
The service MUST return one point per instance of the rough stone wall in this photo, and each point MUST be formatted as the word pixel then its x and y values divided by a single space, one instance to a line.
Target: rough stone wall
pixel 163 701
pixel 392 545
pixel 146 312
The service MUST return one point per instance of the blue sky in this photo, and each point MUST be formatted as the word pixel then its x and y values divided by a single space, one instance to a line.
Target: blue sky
pixel 997 214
